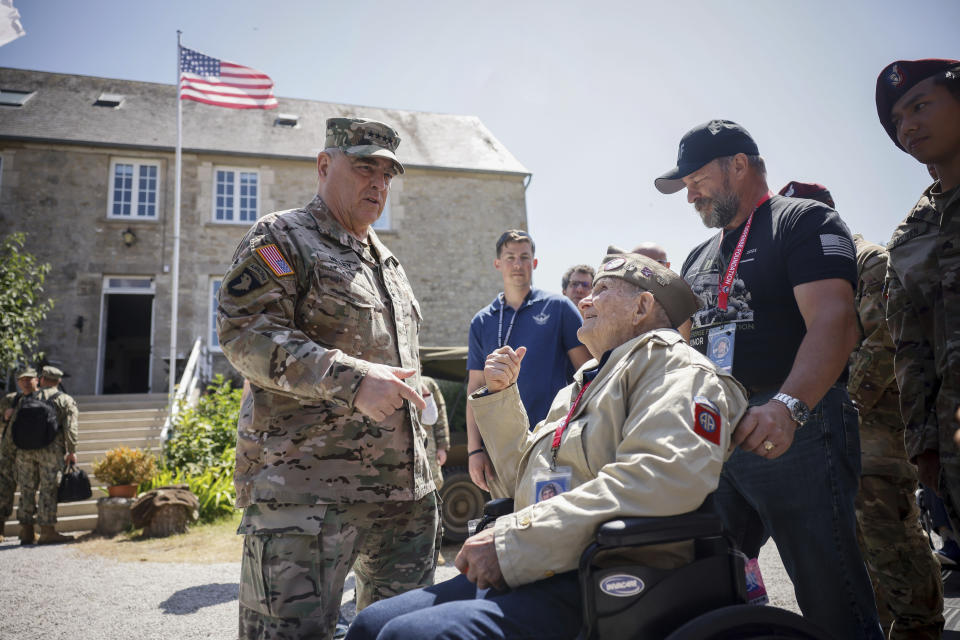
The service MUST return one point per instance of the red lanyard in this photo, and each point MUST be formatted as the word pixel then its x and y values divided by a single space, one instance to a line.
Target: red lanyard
pixel 558 434
pixel 727 284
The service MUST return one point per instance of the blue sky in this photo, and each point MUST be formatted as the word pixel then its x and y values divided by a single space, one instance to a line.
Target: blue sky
pixel 591 97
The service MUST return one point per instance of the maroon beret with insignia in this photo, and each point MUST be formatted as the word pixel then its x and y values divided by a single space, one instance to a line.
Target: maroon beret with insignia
pixel 899 77
pixel 808 190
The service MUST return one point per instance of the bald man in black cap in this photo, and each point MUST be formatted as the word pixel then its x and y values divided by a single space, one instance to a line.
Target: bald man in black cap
pixel 778 281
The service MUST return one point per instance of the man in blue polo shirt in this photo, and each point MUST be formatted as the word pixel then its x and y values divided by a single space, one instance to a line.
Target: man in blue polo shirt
pixel 545 323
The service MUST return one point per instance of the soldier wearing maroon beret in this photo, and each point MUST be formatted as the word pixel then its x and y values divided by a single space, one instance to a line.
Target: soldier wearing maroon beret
pixel 918 103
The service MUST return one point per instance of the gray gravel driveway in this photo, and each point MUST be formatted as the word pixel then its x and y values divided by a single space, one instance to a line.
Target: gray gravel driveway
pixel 55 592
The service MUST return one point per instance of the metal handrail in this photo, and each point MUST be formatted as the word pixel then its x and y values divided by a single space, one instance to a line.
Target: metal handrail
pixel 198 367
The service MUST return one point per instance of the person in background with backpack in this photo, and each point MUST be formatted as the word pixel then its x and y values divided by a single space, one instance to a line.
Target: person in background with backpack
pixel 50 378
pixel 27 384
pixel 44 430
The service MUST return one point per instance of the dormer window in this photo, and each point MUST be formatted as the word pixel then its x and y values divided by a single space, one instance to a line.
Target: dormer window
pixel 286 120
pixel 112 100
pixel 14 98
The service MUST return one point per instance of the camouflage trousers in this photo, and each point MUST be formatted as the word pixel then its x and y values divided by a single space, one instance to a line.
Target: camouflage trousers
pixel 8 475
pixel 38 469
pixel 905 574
pixel 291 584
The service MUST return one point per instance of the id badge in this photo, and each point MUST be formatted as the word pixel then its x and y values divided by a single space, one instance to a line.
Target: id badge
pixel 547 483
pixel 720 342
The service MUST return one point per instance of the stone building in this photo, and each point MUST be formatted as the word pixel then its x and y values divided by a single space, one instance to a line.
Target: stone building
pixel 87 170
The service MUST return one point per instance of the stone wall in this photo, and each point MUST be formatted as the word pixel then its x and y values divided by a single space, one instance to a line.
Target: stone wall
pixel 443 227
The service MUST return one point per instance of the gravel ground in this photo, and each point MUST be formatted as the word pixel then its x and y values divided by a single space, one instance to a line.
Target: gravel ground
pixel 55 592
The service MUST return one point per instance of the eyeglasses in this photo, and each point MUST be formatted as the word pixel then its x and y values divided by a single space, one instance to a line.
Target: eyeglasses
pixel 579 285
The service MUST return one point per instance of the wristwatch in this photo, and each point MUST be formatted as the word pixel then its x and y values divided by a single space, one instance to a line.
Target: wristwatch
pixel 798 410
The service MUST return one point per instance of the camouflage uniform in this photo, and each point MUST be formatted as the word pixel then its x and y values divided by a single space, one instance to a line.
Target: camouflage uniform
pixel 303 311
pixel 905 574
pixel 8 460
pixel 438 434
pixel 39 468
pixel 923 313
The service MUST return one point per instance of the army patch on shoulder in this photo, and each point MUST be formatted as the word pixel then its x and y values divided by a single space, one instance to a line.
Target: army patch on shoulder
pixel 270 254
pixel 706 420
pixel 250 279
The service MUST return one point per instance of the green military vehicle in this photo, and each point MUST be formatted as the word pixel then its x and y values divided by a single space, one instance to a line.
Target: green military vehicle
pixel 462 500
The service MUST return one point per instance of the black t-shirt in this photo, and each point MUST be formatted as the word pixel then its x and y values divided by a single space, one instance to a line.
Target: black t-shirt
pixel 792 241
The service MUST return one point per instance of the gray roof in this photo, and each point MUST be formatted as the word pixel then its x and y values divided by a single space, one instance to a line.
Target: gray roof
pixel 62 110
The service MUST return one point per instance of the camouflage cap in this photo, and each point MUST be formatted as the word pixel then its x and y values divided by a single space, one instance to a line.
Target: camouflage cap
pixel 51 373
pixel 363 138
pixel 27 372
pixel 670 290
pixel 899 77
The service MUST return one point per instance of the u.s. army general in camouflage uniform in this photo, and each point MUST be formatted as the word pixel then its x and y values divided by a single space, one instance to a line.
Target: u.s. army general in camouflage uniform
pixel 318 316
pixel 905 574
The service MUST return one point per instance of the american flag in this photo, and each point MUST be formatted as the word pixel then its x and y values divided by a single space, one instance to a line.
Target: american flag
pixel 223 84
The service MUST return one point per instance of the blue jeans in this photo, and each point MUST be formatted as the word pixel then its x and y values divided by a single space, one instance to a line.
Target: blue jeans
pixel 456 609
pixel 805 501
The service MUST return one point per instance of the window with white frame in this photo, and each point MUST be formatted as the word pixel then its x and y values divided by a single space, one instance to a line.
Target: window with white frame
pixel 134 186
pixel 383 222
pixel 214 290
pixel 236 195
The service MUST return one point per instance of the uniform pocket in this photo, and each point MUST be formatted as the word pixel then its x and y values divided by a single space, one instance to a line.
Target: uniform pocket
pixel 337 312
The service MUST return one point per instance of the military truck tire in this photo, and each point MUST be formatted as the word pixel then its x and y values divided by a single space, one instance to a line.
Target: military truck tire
pixel 462 501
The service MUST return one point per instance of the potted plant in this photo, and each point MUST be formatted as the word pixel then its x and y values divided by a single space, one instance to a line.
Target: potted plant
pixel 123 469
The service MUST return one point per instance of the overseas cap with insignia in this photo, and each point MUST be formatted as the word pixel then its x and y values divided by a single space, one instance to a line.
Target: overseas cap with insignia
pixel 51 373
pixel 808 190
pixel 670 290
pixel 899 77
pixel 363 138
pixel 700 145
pixel 28 372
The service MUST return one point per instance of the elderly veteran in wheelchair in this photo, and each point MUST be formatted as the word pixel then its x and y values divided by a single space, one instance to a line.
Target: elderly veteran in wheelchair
pixel 642 431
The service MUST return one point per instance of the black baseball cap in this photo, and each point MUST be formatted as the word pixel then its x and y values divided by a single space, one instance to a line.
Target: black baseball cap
pixel 700 145
pixel 899 77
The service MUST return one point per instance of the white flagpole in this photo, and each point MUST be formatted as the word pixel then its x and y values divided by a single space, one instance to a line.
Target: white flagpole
pixel 175 274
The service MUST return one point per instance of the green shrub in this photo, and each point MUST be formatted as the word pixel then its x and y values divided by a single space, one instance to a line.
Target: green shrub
pixel 201 434
pixel 213 487
pixel 202 449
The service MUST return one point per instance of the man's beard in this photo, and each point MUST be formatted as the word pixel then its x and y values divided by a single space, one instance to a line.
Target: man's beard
pixel 718 212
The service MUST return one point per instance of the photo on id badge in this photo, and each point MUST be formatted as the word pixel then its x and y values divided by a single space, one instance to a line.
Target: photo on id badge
pixel 547 483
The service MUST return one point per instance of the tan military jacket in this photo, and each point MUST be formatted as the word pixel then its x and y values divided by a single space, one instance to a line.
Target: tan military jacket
pixel 923 313
pixel 303 310
pixel 632 446
pixel 872 384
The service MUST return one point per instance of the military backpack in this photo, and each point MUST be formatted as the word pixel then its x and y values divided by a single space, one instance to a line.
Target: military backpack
pixel 36 424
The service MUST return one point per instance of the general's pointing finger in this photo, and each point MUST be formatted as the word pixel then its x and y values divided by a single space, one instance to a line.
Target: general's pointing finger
pixel 413 397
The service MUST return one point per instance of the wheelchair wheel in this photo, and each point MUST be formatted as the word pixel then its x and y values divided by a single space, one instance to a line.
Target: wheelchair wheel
pixel 748 621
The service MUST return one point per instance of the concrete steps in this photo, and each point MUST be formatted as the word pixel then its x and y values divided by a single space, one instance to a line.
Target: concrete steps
pixel 105 422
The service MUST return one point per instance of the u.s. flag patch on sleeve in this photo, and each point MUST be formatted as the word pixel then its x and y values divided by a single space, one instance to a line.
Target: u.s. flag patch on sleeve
pixel 271 255
pixel 706 420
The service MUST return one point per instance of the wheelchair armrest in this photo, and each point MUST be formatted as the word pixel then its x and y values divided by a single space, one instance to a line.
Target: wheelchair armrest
pixel 498 507
pixel 626 532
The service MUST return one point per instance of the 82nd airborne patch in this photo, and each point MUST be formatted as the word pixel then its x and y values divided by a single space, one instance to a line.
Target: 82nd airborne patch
pixel 706 420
